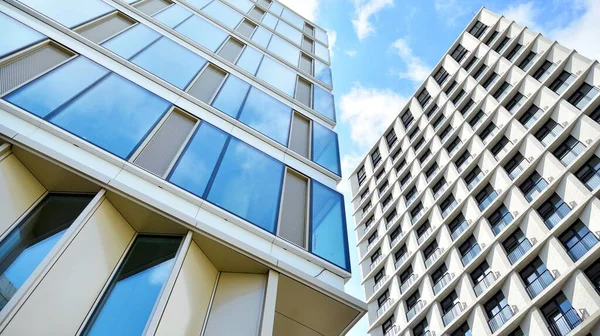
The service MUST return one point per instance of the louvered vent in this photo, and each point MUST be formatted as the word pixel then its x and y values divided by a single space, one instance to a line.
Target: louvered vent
pixel 299 137
pixel 231 50
pixel 292 226
pixel 246 28
pixel 207 84
pixel 105 28
pixel 152 6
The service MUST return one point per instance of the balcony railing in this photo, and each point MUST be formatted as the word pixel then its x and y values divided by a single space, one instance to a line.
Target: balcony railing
pixel 560 213
pixel 585 244
pixel 442 282
pixel 425 235
pixel 411 280
pixel 450 315
pixel 371 244
pixel 417 308
pixel 433 257
pixel 375 263
pixel 500 318
pixel 440 191
pixel 394 331
pixel 563 324
pixel 474 181
pixel 417 216
pixel 391 221
pixel 520 250
pixel 396 240
pixel 385 306
pixel 382 191
pixel 379 283
pixel 401 261
pixel 449 209
pixel 539 284
pixel 459 229
pixel 471 254
pixel 485 283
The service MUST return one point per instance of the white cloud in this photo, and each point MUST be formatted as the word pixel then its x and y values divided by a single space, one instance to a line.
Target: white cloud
pixel 307 8
pixel 363 10
pixel 523 14
pixel 351 53
pixel 450 10
pixel 368 112
pixel 416 69
pixel 582 34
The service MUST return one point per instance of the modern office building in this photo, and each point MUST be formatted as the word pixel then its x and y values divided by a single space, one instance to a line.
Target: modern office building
pixel 169 168
pixel 477 211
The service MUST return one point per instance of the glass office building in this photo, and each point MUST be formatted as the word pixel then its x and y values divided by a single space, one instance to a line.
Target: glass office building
pixel 169 167
pixel 477 210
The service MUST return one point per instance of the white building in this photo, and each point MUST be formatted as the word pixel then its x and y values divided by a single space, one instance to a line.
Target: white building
pixel 477 211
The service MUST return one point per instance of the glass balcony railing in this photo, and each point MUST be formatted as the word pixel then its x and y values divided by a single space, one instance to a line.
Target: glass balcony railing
pixel 371 244
pixel 379 283
pixel 539 284
pixel 560 213
pixel 520 250
pixel 417 308
pixel 440 191
pixel 456 310
pixel 449 209
pixel 582 246
pixel 375 263
pixel 396 240
pixel 518 169
pixel 563 324
pixel 487 200
pixel 411 280
pixel 394 331
pixel 442 282
pixel 500 318
pixel 434 257
pixel 425 235
pixel 459 229
pixel 391 221
pixel 485 283
pixel 471 254
pixel 474 181
pixel 385 306
pixel 401 261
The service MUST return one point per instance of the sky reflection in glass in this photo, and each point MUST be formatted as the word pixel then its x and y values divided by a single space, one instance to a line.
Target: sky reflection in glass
pixel 231 96
pixel 323 102
pixel 277 75
pixel 325 150
pixel 20 35
pixel 267 115
pixel 223 13
pixel 203 32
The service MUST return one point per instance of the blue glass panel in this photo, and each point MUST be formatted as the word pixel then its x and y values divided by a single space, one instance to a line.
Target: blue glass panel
pixel 223 13
pixel 328 237
pixel 231 96
pixel 323 73
pixel 48 92
pixel 196 165
pixel 262 36
pixel 288 31
pixel 323 102
pixel 173 15
pixel 248 184
pixel 199 3
pixel 30 242
pixel 325 150
pixel 293 18
pixel 250 59
pixel 131 41
pixel 243 5
pixel 284 50
pixel 20 35
pixel 322 52
pixel 203 32
pixel 321 36
pixel 270 20
pixel 170 61
pixel 128 304
pixel 115 115
pixel 70 13
pixel 276 8
pixel 267 115
pixel 277 75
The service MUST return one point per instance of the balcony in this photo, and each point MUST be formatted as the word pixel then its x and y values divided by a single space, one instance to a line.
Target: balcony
pixel 539 284
pixel 401 261
pixel 449 209
pixel 485 283
pixel 425 235
pixel 440 191
pixel 434 257
pixel 385 188
pixel 442 282
pixel 417 308
pixel 411 280
pixel 582 246
pixel 520 250
pixel 371 244
pixel 394 331
pixel 471 254
pixel 385 306
pixel 456 310
pixel 564 323
pixel 500 318
pixel 459 229
pixel 417 216
pixel 396 240
pixel 464 164
pixel 375 263
pixel 391 221
pixel 379 283
pixel 474 181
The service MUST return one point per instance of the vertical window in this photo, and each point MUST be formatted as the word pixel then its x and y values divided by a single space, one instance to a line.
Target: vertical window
pixel 459 53
pixel 438 187
pixel 595 115
pixel 418 144
pixel 440 76
pixel 450 87
pixel 513 52
pixel 465 108
pixel 462 160
pixel 526 63
pixel 516 245
pixel 21 36
pixel 421 329
pixel 383 298
pixel 431 111
pixel 584 94
pixel 536 277
pixel 593 273
pixel 553 210
pixel 266 115
pixel 430 172
pixel 548 132
pixel 561 83
pixel 453 145
pixel 414 132
pixel 469 250
pixel 458 97
pixel 448 205
pixel 486 196
pixel 515 103
pixel 500 146
pixel 325 148
pixel 26 246
pixel 480 71
pixel 390 138
pixel 416 212
pixel 533 186
pixel 423 231
pixel 388 325
pixel 467 66
pixel 407 119
pixel 476 120
pixel 530 116
pixel 544 71
pixel 458 225
pixel 411 195
pixel 589 174
pixel 490 80
pixel 500 48
pixel 405 179
pixel 498 311
pixel 473 177
pixel 515 165
pixel 361 175
pixel 478 29
pixel 437 122
pixel 463 330
pixel 502 91
pixel 127 305
pixel 569 150
pixel 578 240
pixel 492 38
pixel 423 98
pixel 560 315
pixel 425 156
pixel 499 219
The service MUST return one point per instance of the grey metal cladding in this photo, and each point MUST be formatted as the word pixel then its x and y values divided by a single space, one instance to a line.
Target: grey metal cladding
pixel 292 226
pixel 303 91
pixel 152 6
pixel 161 150
pixel 231 50
pixel 256 13
pixel 307 44
pixel 246 28
pixel 299 137
pixel 24 67
pixel 105 28
pixel 264 3
pixel 305 63
pixel 207 84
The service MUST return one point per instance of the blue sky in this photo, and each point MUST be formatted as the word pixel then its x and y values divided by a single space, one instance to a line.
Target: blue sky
pixel 382 50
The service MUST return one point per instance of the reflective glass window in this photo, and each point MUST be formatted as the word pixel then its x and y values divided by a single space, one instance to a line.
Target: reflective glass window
pixel 325 149
pixel 70 13
pixel 20 35
pixel 284 50
pixel 231 96
pixel 48 92
pixel 34 237
pixel 132 41
pixel 223 13
pixel 323 102
pixel 323 73
pixel 328 226
pixel 173 15
pixel 250 60
pixel 293 18
pixel 270 20
pixel 276 8
pixel 243 5
pixel 203 32
pixel 267 115
pixel 248 184
pixel 115 115
pixel 322 51
pixel 277 75
pixel 199 3
pixel 289 32
pixel 262 36
pixel 127 305
pixel 321 35
pixel 197 163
